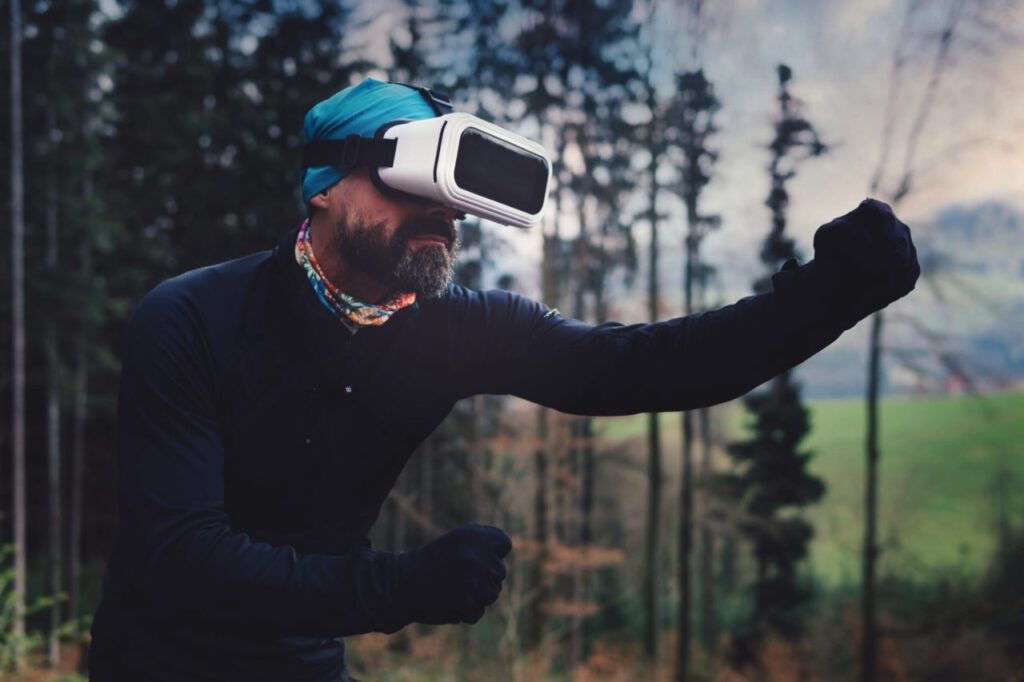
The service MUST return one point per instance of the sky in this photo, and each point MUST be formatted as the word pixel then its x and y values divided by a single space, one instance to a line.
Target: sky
pixel 841 56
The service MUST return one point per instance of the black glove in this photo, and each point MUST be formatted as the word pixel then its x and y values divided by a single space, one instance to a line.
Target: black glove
pixel 863 261
pixel 453 577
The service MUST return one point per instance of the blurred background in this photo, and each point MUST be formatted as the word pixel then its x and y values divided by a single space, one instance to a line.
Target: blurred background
pixel 858 518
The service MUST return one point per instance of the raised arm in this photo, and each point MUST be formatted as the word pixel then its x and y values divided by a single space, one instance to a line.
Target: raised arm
pixel 509 344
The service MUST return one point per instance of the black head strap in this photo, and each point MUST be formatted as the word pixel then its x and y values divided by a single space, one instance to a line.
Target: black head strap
pixel 349 152
pixel 364 151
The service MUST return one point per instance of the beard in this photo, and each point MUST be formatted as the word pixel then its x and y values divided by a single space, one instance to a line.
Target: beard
pixel 425 270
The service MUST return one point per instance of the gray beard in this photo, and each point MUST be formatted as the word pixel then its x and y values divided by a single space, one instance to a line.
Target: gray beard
pixel 425 271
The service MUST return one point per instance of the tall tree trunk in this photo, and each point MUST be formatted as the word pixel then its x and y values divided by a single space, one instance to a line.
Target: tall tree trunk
pixel 576 575
pixel 706 551
pixel 650 583
pixel 868 641
pixel 542 522
pixel 588 474
pixel 79 420
pixel 537 619
pixel 477 464
pixel 54 560
pixel 18 328
pixel 685 548
pixel 686 482
pixel 582 442
pixel 541 460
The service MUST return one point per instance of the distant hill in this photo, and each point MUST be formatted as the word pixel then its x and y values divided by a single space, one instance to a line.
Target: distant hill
pixel 969 304
pixel 981 238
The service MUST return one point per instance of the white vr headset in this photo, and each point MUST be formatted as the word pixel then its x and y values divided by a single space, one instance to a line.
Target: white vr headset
pixel 455 159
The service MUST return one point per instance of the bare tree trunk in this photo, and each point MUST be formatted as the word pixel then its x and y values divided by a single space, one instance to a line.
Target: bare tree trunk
pixel 576 588
pixel 476 460
pixel 79 418
pixel 868 643
pixel 939 65
pixel 538 619
pixel 685 548
pixel 541 456
pixel 18 328
pixel 587 475
pixel 686 483
pixel 53 428
pixel 706 551
pixel 650 584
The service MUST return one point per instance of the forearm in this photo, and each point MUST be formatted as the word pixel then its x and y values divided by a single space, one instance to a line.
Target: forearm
pixel 184 557
pixel 685 363
pixel 201 567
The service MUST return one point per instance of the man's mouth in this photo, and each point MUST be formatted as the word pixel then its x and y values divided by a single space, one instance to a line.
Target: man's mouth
pixel 424 232
pixel 431 238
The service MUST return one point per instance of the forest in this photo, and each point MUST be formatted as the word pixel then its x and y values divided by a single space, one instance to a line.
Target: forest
pixel 859 517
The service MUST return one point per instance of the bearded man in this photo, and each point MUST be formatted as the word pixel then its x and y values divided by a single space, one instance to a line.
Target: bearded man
pixel 268 404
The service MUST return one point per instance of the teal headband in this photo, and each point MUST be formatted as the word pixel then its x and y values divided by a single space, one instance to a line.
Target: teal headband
pixel 357 110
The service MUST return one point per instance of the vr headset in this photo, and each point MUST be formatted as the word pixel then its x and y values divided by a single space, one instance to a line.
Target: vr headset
pixel 455 159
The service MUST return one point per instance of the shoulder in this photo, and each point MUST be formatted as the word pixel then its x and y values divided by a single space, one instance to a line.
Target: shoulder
pixel 496 300
pixel 196 306
pixel 474 312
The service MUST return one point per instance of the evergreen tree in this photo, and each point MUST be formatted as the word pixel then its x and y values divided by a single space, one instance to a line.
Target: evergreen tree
pixel 693 109
pixel 219 177
pixel 772 478
pixel 17 221
pixel 68 224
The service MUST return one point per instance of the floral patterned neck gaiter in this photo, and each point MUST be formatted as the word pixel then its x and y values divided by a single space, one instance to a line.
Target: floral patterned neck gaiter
pixel 354 314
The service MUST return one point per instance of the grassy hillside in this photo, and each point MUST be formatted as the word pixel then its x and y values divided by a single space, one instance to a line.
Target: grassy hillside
pixel 941 460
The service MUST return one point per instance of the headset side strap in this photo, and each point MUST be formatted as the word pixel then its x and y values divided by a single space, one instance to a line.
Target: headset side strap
pixel 349 152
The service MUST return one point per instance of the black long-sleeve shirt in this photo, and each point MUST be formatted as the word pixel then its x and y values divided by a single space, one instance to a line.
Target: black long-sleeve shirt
pixel 258 439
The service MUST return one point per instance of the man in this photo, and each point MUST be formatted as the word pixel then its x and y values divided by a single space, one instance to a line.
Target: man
pixel 268 404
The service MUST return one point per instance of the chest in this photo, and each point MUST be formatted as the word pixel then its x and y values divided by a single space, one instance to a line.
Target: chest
pixel 318 433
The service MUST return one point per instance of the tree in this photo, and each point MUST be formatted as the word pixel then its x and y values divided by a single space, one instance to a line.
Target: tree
pixel 771 480
pixel 17 326
pixel 693 110
pixel 655 139
pixel 991 20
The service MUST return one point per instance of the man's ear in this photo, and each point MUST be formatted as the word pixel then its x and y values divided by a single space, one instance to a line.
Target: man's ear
pixel 319 200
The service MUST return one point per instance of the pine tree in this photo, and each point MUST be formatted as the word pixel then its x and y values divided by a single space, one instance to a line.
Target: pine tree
pixel 67 122
pixel 17 217
pixel 772 480
pixel 220 177
pixel 693 109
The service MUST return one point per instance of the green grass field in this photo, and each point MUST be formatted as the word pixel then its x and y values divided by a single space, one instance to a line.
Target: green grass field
pixel 941 462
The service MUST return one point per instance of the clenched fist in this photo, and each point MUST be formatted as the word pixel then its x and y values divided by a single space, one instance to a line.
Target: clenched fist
pixel 863 261
pixel 452 578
